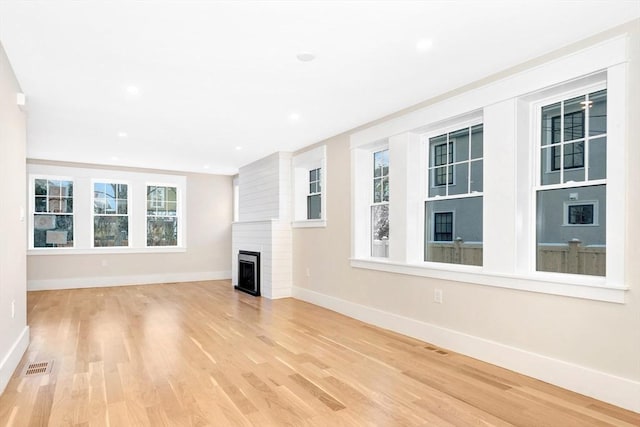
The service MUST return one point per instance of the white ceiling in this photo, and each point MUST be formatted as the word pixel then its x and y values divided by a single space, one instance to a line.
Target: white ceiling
pixel 215 76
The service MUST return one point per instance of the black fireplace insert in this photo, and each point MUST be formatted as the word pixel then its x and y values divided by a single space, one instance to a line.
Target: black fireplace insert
pixel 249 272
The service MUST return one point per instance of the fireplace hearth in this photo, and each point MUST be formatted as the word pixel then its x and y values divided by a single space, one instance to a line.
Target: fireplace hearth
pixel 249 272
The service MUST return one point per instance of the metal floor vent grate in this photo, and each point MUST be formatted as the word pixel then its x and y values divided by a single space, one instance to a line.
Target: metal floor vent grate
pixel 38 368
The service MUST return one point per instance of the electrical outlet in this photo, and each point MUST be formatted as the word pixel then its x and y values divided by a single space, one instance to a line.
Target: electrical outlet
pixel 308 272
pixel 437 296
pixel 13 309
pixel 104 263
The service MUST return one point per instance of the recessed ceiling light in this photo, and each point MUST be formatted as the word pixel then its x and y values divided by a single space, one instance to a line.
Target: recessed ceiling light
pixel 122 134
pixel 294 117
pixel 133 90
pixel 206 167
pixel 238 148
pixel 305 56
pixel 114 158
pixel 424 45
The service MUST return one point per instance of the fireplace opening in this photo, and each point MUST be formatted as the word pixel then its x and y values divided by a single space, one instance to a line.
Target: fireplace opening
pixel 249 272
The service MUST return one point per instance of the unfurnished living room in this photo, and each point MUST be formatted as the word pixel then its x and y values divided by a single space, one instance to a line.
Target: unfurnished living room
pixel 319 213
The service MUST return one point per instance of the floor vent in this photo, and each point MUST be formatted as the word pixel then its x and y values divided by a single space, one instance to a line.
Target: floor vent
pixel 38 368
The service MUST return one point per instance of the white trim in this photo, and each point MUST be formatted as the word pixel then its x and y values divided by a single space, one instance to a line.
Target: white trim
pixel 309 223
pixel 571 285
pixel 609 388
pixel 107 250
pixel 108 281
pixel 11 360
pixel 587 61
pixel 278 293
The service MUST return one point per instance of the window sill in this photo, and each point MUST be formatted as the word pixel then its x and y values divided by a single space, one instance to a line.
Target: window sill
pixel 109 250
pixel 309 223
pixel 571 285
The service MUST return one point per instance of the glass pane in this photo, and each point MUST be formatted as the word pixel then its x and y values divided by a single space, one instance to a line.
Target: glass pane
pixel 461 182
pixel 385 189
pixel 438 141
pixel 574 118
pixel 110 190
pixel 66 205
pixel 172 194
pixel 377 190
pixel 122 207
pixel 313 207
pixel 477 137
pixel 550 124
pixel 110 231
pixel 162 231
pixel 453 231
pixel 598 158
pixel 380 231
pixel 598 113
pixel 460 141
pixel 476 176
pixel 41 187
pixel 41 204
pixel 437 174
pixel 55 188
pixel 122 191
pixel 573 161
pixel 548 173
pixel 53 231
pixel 171 208
pixel 381 163
pixel 566 248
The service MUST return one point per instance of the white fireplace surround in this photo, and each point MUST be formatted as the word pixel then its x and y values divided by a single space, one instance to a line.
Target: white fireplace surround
pixel 264 223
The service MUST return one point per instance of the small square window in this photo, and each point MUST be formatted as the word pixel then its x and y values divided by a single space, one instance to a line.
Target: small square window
pixel 580 214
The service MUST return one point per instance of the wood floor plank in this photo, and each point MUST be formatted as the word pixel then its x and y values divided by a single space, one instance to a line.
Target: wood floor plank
pixel 202 354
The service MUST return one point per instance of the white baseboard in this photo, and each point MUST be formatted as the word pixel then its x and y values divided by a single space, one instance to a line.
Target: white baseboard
pixel 105 281
pixel 279 293
pixel 609 388
pixel 10 361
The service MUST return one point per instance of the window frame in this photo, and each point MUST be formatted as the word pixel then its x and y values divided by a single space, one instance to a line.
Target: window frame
pixel 93 214
pixel 33 213
pixel 178 216
pixel 83 178
pixel 565 92
pixel 301 165
pixel 595 204
pixel 452 215
pixel 373 204
pixel 506 106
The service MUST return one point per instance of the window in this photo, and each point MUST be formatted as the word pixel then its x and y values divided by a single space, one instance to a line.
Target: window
pixel 110 214
pixel 455 185
pixel 53 213
pixel 443 226
pixel 314 199
pixel 380 205
pixel 162 215
pixel 309 174
pixel 581 214
pixel 443 158
pixel 573 147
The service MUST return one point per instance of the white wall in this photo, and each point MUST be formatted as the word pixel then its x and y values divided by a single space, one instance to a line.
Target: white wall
pixel 589 346
pixel 14 332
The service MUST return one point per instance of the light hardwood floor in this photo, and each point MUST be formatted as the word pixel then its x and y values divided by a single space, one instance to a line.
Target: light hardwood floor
pixel 203 354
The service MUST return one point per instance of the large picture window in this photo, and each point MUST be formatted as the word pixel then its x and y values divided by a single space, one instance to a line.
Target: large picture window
pixel 110 214
pixel 53 213
pixel 380 205
pixel 573 147
pixel 162 215
pixel 455 181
